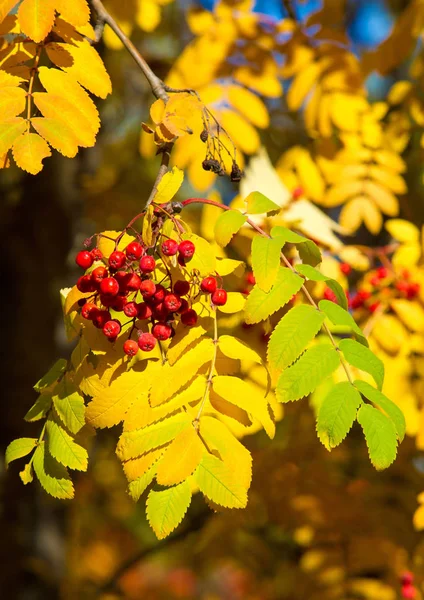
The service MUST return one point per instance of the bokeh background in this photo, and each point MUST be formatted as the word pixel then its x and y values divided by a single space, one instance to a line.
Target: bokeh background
pixel 318 525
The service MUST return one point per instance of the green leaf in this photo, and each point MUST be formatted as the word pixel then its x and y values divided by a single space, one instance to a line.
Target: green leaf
pixel 258 204
pixel 362 358
pixel 54 478
pixel 166 509
pixel 27 475
pixel 138 486
pixel 302 378
pixel 227 224
pixel 391 409
pixel 216 482
pixel 40 408
pixel 337 414
pixel 292 334
pixel 309 253
pixel 340 316
pixel 19 448
pixel 314 275
pixel 260 305
pixel 265 261
pixel 380 435
pixel 69 406
pixel 286 235
pixel 51 376
pixel 134 443
pixel 64 449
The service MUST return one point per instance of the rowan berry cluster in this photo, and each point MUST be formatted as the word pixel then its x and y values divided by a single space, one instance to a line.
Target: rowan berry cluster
pixel 126 283
pixel 408 590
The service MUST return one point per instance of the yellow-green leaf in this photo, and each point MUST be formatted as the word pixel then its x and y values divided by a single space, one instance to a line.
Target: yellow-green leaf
pixel 228 224
pixel 166 509
pixel 169 186
pixel 19 448
pixel 181 457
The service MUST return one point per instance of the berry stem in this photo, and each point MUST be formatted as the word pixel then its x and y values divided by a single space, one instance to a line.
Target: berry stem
pixel 211 371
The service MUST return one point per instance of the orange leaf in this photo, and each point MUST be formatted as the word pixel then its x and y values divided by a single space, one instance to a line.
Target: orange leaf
pixel 5 7
pixel 36 18
pixel 75 12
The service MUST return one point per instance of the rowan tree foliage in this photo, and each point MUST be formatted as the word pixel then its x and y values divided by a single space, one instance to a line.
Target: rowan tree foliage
pixel 238 284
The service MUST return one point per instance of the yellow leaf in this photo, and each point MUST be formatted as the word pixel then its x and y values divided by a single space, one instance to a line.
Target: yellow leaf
pixel 60 109
pixel 402 230
pixel 147 232
pixel 237 349
pixel 36 18
pixel 391 160
pixel 182 339
pixel 5 7
pixel 248 105
pixel 87 68
pixel 372 133
pixel 181 457
pixel 182 112
pixel 303 83
pixel 169 186
pixel 361 210
pixel 136 467
pixel 399 91
pixel 147 15
pixel 324 116
pixel 240 131
pixel 58 134
pixel 12 102
pixel 29 150
pixel 390 180
pixel 106 242
pixel 346 110
pixel 58 83
pixel 390 333
pixel 75 12
pixel 235 303
pixel 418 518
pixel 342 192
pixel 310 176
pixel 225 266
pixel 407 255
pixel 410 313
pixel 10 130
pixel 157 111
pixel 385 200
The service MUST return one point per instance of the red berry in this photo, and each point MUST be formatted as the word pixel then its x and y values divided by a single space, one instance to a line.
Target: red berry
pixel 402 286
pixel 119 302
pixel 88 310
pixel 146 342
pixel 375 281
pixel 130 348
pixel 189 318
pixel 133 282
pixel 374 306
pixel 209 285
pixel 131 310
pixel 408 592
pixel 181 261
pixel 382 272
pixel 345 268
pixel 297 193
pixel 159 294
pixel 117 259
pixel 84 259
pixel 85 284
pixel 330 295
pixel 172 302
pixel 407 578
pixel 147 264
pixel 219 297
pixel 147 288
pixel 109 286
pixel 101 318
pixel 134 251
pixel 98 274
pixel 144 311
pixel 186 249
pixel 184 306
pixel 182 288
pixel 162 331
pixel 413 289
pixel 111 329
pixel 250 279
pixel 96 254
pixel 169 247
pixel 160 311
pixel 356 301
pixel 364 294
pixel 406 274
pixel 107 301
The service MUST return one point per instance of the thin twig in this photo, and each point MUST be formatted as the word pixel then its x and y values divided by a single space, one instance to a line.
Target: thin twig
pixel 163 169
pixel 157 85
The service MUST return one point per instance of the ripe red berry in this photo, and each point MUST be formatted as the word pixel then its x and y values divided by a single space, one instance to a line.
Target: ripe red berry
pixel 144 311
pixel 402 286
pixel 119 302
pixel 209 285
pixel 134 251
pixel 184 306
pixel 356 301
pixel 297 193
pixel 107 301
pixel 84 259
pixel 146 342
pixel 100 318
pixel 130 348
pixel 181 288
pixel 330 295
pixel 374 306
pixel 186 249
pixel 131 310
pixel 219 297
pixel 133 282
pixel 375 281
pixel 111 329
pixel 172 302
pixel 250 279
pixel 345 268
pixel 147 264
pixel 109 286
pixel 189 318
pixel 162 331
pixel 169 247
pixel 382 272
pixel 407 578
pixel 98 274
pixel 147 288
pixel 88 310
pixel 117 259
pixel 160 311
pixel 159 294
pixel 364 294
pixel 96 254
pixel 413 289
pixel 85 284
pixel 408 592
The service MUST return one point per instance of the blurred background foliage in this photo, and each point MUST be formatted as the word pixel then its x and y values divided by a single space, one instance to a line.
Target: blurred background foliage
pixel 318 525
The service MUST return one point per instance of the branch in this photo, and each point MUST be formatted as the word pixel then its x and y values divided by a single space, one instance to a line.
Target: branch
pixel 157 85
